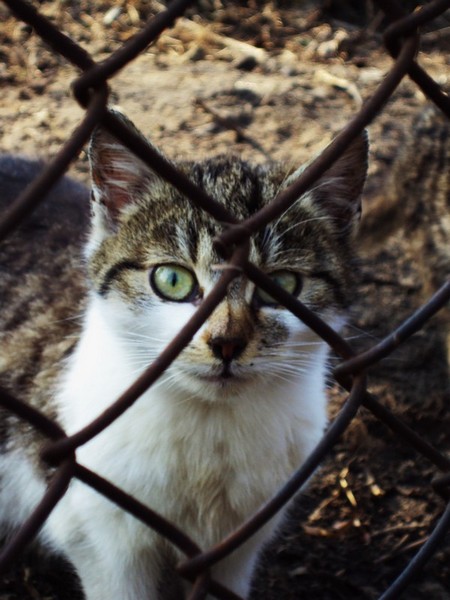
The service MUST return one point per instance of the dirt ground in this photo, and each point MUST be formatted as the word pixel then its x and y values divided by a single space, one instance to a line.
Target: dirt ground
pixel 274 80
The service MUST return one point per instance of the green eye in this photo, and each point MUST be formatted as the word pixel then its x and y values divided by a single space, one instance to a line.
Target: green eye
pixel 289 281
pixel 173 282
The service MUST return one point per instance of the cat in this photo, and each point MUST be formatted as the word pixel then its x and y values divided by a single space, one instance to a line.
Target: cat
pixel 237 412
pixel 415 204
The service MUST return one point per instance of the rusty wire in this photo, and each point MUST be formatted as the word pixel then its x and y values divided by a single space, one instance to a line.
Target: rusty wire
pixel 91 91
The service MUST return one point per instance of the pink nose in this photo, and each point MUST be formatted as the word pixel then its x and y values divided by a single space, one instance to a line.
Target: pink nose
pixel 227 349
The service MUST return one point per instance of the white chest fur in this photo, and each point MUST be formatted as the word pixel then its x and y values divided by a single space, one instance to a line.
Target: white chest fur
pixel 205 466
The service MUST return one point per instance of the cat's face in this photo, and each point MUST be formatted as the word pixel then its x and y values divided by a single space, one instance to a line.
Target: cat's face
pixel 152 261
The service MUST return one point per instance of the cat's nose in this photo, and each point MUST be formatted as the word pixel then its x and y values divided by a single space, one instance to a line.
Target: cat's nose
pixel 227 349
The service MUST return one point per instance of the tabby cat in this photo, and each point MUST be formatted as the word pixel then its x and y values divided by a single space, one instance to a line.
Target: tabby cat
pixel 238 411
pixel 416 204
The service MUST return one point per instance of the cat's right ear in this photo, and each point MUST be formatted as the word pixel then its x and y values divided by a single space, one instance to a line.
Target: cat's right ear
pixel 119 177
pixel 338 191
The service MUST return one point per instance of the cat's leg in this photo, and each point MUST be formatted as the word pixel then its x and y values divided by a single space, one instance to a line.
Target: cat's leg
pixel 115 575
pixel 114 555
pixel 236 571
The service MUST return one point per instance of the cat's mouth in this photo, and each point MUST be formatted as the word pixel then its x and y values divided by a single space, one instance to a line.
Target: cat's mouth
pixel 226 371
pixel 224 375
pixel 217 380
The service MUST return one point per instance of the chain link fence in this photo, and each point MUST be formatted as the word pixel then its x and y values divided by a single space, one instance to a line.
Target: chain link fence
pixel 91 90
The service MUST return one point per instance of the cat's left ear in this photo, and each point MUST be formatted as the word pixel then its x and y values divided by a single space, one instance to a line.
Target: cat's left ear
pixel 119 177
pixel 339 189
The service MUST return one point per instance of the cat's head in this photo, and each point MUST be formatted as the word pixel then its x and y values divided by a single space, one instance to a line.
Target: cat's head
pixel 152 260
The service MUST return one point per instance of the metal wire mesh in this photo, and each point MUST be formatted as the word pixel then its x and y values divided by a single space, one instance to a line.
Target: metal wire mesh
pixel 91 91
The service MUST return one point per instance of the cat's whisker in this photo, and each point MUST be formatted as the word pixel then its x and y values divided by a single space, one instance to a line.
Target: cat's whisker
pixel 292 369
pixel 309 191
pixel 143 353
pixel 300 223
pixel 288 375
pixel 362 333
pixel 133 335
pixel 77 317
pixel 302 343
pixel 281 377
pixel 73 336
pixel 304 357
pixel 293 366
pixel 292 351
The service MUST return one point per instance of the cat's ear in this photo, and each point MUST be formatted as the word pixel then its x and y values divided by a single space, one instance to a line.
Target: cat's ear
pixel 119 177
pixel 339 189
